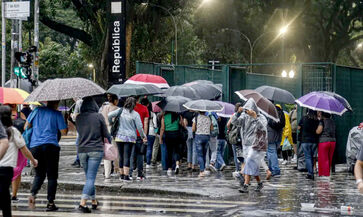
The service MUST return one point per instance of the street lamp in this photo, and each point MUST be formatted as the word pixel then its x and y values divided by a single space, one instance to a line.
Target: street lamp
pixel 360 45
pixel 91 66
pixel 284 73
pixel 291 74
pixel 175 26
pixel 283 30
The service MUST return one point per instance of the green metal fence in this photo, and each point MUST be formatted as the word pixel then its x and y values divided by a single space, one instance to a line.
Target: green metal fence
pixel 308 77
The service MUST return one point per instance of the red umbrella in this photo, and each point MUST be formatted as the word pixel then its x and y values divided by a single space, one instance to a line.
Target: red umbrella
pixel 155 107
pixel 148 79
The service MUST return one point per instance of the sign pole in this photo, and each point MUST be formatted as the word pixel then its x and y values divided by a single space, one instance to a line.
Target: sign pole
pixel 3 44
pixel 36 41
pixel 12 52
pixel 20 49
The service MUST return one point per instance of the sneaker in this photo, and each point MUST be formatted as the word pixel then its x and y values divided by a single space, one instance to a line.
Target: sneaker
pixel 284 162
pixel 127 179
pixel 241 179
pixel 276 176
pixel 169 172
pixel 84 209
pixel 176 169
pixel 259 187
pixel 243 189
pixel 311 177
pixel 294 159
pixel 211 166
pixel 122 177
pixel 140 178
pixel 149 166
pixel 206 172
pixel 76 164
pixel 51 207
pixel 14 199
pixel 235 174
pixel 222 167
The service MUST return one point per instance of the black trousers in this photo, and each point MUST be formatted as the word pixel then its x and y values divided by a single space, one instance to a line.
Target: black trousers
pixel 48 160
pixel 6 174
pixel 172 142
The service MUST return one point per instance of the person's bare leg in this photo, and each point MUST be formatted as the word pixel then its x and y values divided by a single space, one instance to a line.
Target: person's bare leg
pixel 15 186
pixel 125 170
pixel 258 179
pixel 122 170
pixel 83 202
pixel 247 179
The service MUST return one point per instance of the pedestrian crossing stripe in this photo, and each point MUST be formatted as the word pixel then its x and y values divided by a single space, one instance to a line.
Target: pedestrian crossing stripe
pixel 132 208
pixel 70 214
pixel 184 200
pixel 107 203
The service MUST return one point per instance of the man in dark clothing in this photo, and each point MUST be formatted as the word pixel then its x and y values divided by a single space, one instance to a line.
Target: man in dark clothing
pixel 274 138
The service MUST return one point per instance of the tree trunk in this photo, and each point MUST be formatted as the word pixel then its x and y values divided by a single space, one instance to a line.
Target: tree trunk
pixel 103 78
pixel 129 26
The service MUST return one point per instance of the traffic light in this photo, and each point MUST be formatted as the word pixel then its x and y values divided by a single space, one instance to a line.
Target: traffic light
pixel 25 60
pixel 21 72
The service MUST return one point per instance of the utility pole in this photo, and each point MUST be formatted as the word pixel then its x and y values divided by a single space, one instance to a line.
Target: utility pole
pixel 36 41
pixel 13 46
pixel 3 43
pixel 20 37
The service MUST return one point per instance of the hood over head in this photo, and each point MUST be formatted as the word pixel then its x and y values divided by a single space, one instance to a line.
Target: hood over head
pixel 89 105
pixel 251 105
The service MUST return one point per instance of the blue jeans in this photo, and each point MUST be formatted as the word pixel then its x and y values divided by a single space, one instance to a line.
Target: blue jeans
pixel 220 153
pixel 309 149
pixel 236 161
pixel 149 151
pixel 77 143
pixel 273 162
pixel 90 162
pixel 164 154
pixel 202 142
pixel 192 152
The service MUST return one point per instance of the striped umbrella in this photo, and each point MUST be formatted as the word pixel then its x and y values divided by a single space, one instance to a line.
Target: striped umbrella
pixel 148 79
pixel 13 96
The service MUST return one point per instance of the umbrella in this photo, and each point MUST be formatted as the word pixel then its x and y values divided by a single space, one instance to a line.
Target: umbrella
pixel 125 90
pixel 320 101
pixel 276 94
pixel 182 91
pixel 13 96
pixel 173 103
pixel 155 107
pixel 341 99
pixel 63 108
pixel 203 106
pixel 65 88
pixel 265 106
pixel 198 82
pixel 148 79
pixel 228 109
pixel 207 91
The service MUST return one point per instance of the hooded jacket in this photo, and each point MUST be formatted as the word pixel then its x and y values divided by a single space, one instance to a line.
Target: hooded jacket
pixel 91 127
pixel 354 144
pixel 275 128
pixel 253 131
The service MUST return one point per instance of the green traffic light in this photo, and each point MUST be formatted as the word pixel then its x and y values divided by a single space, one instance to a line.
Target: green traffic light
pixel 20 72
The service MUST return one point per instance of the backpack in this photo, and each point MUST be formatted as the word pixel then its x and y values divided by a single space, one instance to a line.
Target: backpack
pixel 234 135
pixel 215 130
pixel 116 124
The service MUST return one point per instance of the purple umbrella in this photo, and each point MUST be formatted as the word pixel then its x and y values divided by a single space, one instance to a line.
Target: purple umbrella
pixel 228 109
pixel 63 108
pixel 320 101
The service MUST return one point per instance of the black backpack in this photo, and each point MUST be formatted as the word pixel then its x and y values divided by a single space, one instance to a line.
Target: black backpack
pixel 116 123
pixel 234 135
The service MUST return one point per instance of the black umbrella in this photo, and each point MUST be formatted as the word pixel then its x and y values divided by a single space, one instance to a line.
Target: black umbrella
pixel 125 90
pixel 341 99
pixel 173 103
pixel 207 91
pixel 276 94
pixel 187 92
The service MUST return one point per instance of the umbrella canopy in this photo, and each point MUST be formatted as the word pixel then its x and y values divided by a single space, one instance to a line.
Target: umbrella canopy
pixel 187 92
pixel 265 106
pixel 198 82
pixel 13 96
pixel 203 106
pixel 320 101
pixel 125 90
pixel 341 99
pixel 155 107
pixel 276 94
pixel 207 91
pixel 228 109
pixel 173 103
pixel 65 88
pixel 148 79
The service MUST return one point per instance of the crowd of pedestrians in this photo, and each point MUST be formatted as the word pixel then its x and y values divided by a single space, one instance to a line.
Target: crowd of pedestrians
pixel 139 134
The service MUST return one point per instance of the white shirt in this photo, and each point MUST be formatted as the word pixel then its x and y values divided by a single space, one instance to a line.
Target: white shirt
pixel 16 142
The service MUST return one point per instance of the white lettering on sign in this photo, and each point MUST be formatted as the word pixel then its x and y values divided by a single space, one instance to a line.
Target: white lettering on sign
pixel 17 10
pixel 116 47
pixel 116 7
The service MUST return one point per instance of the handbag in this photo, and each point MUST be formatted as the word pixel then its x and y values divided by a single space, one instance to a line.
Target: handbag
pixel 110 152
pixel 27 134
pixel 143 148
pixel 116 123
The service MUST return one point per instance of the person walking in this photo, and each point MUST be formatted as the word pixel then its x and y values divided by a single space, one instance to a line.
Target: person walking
pixel 327 142
pixel 255 141
pixel 222 122
pixel 213 143
pixel 191 148
pixel 274 138
pixel 202 127
pixel 105 110
pixel 293 122
pixel 92 131
pixel 8 159
pixel 307 126
pixel 358 171
pixel 126 136
pixel 76 111
pixel 151 132
pixel 286 139
pixel 170 124
pixel 45 148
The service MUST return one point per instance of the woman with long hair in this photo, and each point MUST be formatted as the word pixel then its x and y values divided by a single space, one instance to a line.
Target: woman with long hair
pixel 170 123
pixel 126 136
pixel 9 160
pixel 327 142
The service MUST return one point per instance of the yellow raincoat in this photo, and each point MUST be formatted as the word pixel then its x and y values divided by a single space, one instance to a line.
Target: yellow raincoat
pixel 287 131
